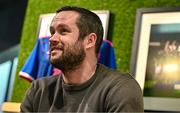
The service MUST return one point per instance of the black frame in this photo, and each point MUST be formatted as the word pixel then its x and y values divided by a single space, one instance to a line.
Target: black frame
pixel 151 103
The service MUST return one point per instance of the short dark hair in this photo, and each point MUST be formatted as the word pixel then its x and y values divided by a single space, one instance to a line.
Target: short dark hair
pixel 88 22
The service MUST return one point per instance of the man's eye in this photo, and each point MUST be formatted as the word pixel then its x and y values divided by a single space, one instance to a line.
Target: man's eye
pixel 52 31
pixel 63 31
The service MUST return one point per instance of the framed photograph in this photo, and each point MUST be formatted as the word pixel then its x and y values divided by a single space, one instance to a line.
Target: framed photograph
pixel 45 21
pixel 155 60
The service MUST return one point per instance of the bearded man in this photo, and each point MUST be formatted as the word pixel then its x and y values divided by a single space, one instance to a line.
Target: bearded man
pixel 84 85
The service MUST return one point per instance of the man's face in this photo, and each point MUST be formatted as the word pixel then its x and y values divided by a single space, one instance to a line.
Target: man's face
pixel 66 51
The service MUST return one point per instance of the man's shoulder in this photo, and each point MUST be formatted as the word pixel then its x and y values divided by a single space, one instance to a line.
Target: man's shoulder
pixel 46 81
pixel 112 77
pixel 121 90
pixel 114 74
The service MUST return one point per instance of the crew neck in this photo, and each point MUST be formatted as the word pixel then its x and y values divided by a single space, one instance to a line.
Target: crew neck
pixel 71 87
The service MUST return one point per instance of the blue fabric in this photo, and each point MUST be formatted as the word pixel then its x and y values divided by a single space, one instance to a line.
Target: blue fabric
pixel 107 55
pixel 38 65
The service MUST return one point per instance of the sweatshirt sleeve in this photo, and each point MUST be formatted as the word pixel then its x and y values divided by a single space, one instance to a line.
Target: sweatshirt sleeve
pixel 27 103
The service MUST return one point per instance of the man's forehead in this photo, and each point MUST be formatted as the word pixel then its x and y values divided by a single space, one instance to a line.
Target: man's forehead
pixel 65 19
pixel 64 15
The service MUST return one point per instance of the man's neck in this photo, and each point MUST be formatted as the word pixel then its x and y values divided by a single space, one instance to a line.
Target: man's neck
pixel 81 74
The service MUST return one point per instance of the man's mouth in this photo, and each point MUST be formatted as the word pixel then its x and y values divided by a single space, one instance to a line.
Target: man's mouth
pixel 56 47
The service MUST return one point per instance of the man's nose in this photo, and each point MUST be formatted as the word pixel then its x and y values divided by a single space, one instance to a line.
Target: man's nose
pixel 54 38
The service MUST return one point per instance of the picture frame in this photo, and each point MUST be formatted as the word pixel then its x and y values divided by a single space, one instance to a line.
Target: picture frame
pixel 154 60
pixel 45 20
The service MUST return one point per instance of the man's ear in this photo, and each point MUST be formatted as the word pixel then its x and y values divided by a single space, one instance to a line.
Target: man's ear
pixel 90 40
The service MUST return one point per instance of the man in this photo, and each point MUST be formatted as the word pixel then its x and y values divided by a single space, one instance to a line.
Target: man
pixel 85 85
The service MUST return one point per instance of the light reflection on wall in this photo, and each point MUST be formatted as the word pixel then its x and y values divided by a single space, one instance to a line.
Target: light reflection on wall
pixel 170 73
pixel 4 76
pixel 168 68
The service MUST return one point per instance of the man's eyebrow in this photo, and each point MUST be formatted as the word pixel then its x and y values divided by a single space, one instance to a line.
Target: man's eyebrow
pixel 63 26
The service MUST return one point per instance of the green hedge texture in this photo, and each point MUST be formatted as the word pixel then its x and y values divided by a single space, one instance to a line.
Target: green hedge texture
pixel 121 28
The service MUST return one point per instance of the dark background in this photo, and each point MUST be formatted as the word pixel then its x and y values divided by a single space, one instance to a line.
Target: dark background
pixel 12 13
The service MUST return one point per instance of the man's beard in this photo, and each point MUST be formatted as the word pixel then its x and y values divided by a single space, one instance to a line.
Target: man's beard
pixel 71 58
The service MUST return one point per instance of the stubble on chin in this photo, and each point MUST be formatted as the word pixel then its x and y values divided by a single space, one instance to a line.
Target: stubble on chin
pixel 70 59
